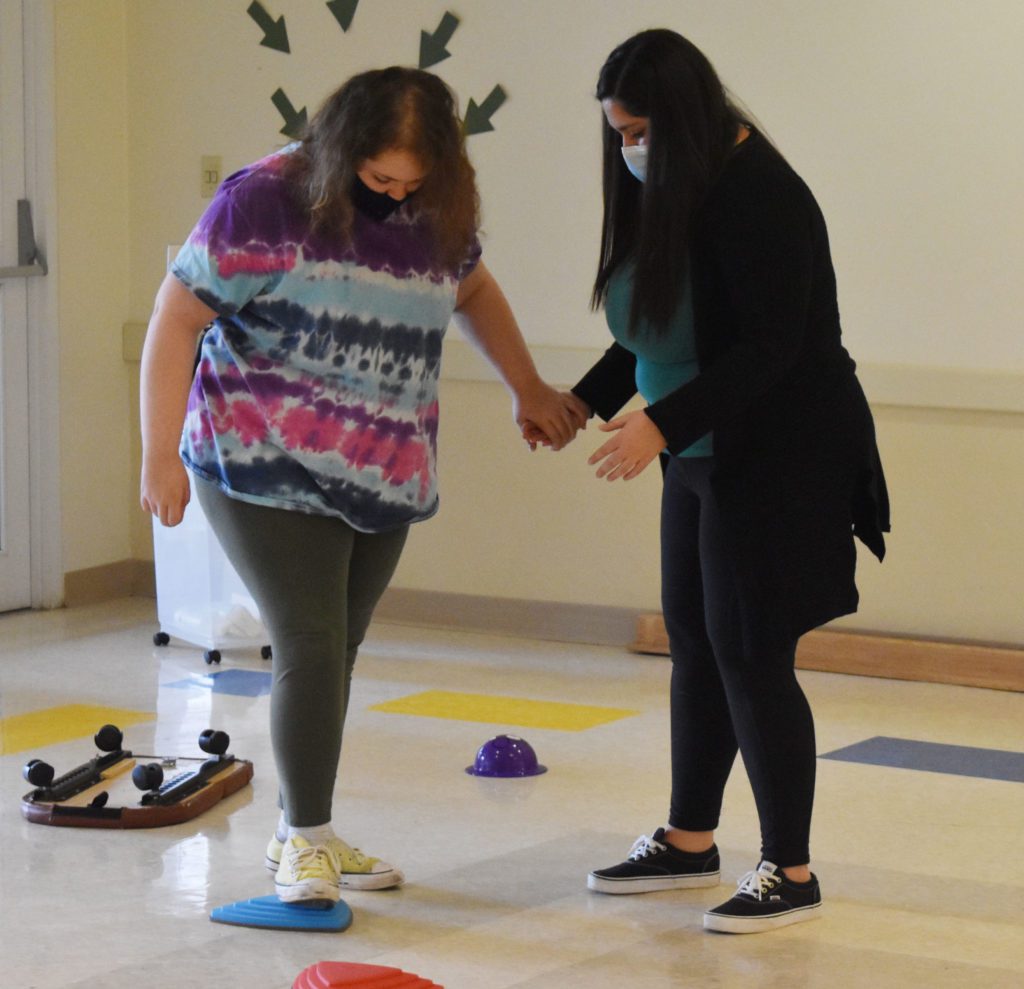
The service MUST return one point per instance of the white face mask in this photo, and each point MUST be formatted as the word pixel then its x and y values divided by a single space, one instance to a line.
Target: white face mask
pixel 635 156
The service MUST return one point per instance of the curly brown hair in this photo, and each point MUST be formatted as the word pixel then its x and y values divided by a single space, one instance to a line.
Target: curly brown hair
pixel 383 110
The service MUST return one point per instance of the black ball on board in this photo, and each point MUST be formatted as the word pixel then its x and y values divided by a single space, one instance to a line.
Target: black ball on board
pixel 38 773
pixel 109 738
pixel 149 776
pixel 214 742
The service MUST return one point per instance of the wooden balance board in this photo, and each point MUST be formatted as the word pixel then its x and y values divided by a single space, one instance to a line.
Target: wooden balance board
pixel 102 794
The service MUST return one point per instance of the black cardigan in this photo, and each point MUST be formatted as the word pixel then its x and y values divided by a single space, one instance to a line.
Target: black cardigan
pixel 797 471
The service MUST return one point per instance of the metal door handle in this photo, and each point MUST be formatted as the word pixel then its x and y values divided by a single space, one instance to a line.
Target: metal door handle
pixel 30 262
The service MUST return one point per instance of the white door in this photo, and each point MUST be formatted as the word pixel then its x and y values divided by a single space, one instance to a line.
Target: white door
pixel 15 561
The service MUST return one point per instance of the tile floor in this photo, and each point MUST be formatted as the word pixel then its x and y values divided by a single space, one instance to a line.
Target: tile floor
pixel 922 871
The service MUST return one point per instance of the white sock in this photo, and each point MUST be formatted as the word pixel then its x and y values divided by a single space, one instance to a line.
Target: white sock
pixel 281 833
pixel 318 835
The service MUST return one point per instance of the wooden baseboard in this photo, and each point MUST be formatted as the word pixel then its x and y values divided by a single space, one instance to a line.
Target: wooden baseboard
pixel 549 620
pixel 967 664
pixel 892 657
pixel 859 654
pixel 125 578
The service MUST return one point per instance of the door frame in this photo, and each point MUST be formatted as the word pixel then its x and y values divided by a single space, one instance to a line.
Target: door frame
pixel 47 568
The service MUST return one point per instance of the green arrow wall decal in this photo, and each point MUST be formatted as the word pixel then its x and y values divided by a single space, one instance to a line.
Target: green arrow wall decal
pixel 294 121
pixel 344 11
pixel 432 46
pixel 275 35
pixel 478 118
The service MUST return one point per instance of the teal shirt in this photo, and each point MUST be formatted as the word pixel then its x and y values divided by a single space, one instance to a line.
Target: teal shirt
pixel 664 362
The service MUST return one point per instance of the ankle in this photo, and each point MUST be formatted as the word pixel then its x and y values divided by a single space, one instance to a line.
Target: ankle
pixel 797 873
pixel 693 842
pixel 317 835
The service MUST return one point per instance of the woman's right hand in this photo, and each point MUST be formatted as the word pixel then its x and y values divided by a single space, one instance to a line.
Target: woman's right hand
pixel 165 489
pixel 579 412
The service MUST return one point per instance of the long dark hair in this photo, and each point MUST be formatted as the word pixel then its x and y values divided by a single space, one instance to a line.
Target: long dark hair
pixel 382 110
pixel 693 125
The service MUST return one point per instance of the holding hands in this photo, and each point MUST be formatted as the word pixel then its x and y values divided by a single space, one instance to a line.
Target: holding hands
pixel 547 417
pixel 634 443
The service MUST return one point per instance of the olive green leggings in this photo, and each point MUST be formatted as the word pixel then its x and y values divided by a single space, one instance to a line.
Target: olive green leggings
pixel 316 581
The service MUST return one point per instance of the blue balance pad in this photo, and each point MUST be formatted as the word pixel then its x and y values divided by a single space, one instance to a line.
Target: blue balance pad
pixel 270 912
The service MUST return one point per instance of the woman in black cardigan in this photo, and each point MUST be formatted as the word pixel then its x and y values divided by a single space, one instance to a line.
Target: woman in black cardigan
pixel 718 286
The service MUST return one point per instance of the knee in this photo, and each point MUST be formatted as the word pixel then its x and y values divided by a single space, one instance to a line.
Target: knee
pixel 307 648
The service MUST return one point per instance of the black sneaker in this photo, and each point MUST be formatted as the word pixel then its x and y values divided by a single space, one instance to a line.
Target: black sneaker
pixel 766 899
pixel 653 864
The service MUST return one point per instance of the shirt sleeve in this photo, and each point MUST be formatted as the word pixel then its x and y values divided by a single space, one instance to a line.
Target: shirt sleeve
pixel 236 251
pixel 610 383
pixel 472 260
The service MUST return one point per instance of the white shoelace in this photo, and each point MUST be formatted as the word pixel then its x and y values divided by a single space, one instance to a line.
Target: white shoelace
pixel 302 859
pixel 759 882
pixel 343 854
pixel 643 847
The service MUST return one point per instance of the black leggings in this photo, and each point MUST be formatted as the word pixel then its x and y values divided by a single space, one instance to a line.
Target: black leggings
pixel 727 693
pixel 316 581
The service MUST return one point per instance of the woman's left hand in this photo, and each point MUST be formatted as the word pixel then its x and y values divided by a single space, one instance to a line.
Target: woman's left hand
pixel 547 416
pixel 635 442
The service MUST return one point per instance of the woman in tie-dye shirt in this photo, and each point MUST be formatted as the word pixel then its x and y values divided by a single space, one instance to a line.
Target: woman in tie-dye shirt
pixel 327 274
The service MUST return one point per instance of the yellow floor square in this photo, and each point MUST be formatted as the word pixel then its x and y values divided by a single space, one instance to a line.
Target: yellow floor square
pixel 493 710
pixel 37 729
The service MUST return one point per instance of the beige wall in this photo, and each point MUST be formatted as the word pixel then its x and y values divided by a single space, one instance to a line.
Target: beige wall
pixel 955 567
pixel 93 224
pixel 141 95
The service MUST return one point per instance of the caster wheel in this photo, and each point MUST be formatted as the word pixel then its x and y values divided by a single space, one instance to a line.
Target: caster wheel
pixel 214 742
pixel 211 656
pixel 266 652
pixel 149 776
pixel 109 738
pixel 161 639
pixel 38 773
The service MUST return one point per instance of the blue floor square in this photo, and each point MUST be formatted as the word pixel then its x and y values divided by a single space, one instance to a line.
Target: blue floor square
pixel 934 757
pixel 241 683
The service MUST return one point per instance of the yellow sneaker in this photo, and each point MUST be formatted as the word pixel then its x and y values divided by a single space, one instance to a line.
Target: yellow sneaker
pixel 306 873
pixel 355 869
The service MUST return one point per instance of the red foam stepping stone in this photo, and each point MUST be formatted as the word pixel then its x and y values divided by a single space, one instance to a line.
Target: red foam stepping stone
pixel 332 975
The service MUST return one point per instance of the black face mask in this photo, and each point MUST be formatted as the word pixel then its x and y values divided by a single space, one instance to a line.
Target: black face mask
pixel 376 205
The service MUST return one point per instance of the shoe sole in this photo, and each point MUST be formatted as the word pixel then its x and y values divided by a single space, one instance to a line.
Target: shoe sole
pixel 600 884
pixel 310 892
pixel 756 925
pixel 371 880
pixel 355 880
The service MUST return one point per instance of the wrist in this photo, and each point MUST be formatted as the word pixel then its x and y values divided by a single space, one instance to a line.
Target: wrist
pixel 525 384
pixel 161 458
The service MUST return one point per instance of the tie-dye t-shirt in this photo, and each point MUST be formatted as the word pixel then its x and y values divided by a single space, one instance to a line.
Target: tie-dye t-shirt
pixel 316 388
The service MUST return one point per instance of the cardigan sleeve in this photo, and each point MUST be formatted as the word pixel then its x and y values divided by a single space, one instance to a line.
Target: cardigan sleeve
pixel 610 383
pixel 756 241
